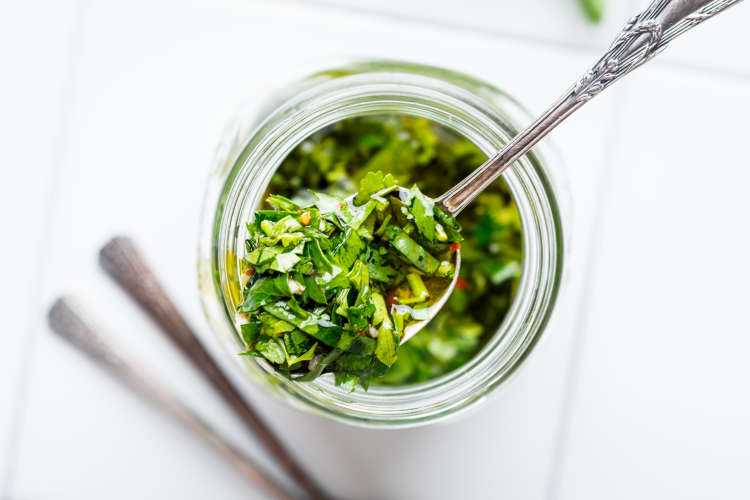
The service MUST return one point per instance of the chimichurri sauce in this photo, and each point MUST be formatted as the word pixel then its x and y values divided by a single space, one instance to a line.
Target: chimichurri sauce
pixel 416 152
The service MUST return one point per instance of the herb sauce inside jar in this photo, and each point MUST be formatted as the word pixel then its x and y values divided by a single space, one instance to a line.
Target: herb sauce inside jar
pixel 417 151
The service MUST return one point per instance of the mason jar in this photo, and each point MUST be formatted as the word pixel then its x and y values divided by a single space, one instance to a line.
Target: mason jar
pixel 259 140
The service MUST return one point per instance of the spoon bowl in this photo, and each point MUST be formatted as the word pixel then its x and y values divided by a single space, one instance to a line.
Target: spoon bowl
pixel 436 303
pixel 435 306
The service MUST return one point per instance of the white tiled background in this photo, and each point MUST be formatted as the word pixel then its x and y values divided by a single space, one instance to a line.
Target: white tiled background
pixel 109 112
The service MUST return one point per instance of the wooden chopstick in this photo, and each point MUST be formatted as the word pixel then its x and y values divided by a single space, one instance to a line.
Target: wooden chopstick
pixel 67 322
pixel 121 259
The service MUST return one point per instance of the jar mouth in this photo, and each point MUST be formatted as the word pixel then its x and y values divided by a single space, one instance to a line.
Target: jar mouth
pixel 249 171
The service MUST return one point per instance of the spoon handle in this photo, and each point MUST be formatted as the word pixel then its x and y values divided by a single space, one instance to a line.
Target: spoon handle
pixel 124 262
pixel 644 36
pixel 66 321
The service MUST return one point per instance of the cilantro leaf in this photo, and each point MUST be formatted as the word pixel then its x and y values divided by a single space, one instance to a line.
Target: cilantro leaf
pixel 292 360
pixel 282 203
pixel 379 266
pixel 348 249
pixel 359 317
pixel 372 183
pixel 271 349
pixel 250 332
pixel 386 347
pixel 315 326
pixel 325 275
pixel 422 209
pixel 284 262
pixel 338 161
pixel 346 381
pixel 314 291
pixel 412 251
pixel 265 290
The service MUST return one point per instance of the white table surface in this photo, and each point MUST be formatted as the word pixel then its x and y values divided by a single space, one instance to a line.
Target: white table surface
pixel 110 112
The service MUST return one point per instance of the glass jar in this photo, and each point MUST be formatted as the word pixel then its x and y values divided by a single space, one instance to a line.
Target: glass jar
pixel 250 154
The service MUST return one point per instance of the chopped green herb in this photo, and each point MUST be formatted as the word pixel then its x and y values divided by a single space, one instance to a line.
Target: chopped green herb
pixel 315 282
pixel 422 208
pixel 410 250
pixel 386 348
pixel 345 158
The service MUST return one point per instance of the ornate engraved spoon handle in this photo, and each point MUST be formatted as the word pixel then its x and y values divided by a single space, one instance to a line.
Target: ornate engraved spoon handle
pixel 644 36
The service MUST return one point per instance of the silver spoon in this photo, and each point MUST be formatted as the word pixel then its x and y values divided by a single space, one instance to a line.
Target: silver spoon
pixel 644 36
pixel 67 321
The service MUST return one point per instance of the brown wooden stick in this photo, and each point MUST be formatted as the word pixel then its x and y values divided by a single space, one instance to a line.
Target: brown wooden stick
pixel 69 324
pixel 124 263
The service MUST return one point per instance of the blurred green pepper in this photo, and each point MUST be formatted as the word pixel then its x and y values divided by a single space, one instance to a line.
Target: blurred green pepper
pixel 594 9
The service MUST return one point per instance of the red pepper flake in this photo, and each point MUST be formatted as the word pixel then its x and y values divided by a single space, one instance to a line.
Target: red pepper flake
pixel 361 334
pixel 462 283
pixel 455 246
pixel 250 272
pixel 341 206
pixel 305 218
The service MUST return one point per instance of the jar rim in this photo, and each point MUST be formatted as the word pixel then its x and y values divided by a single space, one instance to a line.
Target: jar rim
pixel 246 169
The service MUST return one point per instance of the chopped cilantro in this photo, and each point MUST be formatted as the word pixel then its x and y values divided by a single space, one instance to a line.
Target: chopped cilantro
pixel 311 293
pixel 345 158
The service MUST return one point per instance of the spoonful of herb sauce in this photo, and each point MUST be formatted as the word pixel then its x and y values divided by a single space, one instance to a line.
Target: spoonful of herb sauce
pixel 335 285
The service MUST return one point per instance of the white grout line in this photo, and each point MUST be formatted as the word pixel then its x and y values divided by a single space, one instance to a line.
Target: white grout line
pixel 462 28
pixel 704 70
pixel 594 50
pixel 60 147
pixel 583 314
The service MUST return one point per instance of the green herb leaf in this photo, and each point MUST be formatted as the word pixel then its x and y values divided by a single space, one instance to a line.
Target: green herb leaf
pixel 250 332
pixel 316 326
pixel 263 291
pixel 321 261
pixel 272 349
pixel 324 363
pixel 386 348
pixel 347 381
pixel 349 249
pixel 307 355
pixel 380 315
pixel 448 224
pixel 331 273
pixel 314 291
pixel 328 204
pixel 412 251
pixel 359 317
pixel 297 342
pixel 422 208
pixel 272 326
pixel 282 203
pixel 361 346
pixel 284 262
pixel 372 183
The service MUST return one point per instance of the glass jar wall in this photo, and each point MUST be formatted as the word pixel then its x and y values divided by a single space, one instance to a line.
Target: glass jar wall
pixel 251 153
